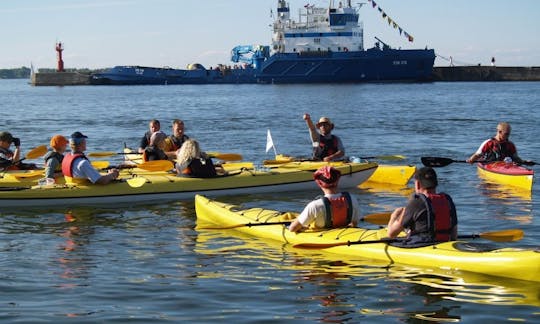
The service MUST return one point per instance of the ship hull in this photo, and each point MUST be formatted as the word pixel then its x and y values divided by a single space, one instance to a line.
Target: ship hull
pixel 372 65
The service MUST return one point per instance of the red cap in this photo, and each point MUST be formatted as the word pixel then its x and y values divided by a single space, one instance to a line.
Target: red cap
pixel 327 177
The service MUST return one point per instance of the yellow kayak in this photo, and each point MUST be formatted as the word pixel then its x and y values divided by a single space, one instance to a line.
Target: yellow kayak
pixel 147 187
pixel 514 263
pixel 509 174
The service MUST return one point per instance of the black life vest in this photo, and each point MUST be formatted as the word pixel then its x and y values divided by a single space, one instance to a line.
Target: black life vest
pixel 200 168
pixel 338 211
pixel 54 155
pixel 177 142
pixel 327 146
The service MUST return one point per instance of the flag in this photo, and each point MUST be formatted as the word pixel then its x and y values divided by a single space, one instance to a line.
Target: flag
pixel 269 142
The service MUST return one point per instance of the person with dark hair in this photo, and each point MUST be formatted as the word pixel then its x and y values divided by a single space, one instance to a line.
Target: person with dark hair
pixel 153 126
pixel 154 151
pixel 326 146
pixel 429 217
pixel 334 210
pixel 7 156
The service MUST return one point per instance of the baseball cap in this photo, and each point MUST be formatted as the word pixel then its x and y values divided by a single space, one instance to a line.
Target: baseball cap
pixel 6 136
pixel 77 137
pixel 58 141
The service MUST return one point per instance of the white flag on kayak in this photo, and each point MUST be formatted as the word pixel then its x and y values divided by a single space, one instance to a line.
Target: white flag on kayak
pixel 269 142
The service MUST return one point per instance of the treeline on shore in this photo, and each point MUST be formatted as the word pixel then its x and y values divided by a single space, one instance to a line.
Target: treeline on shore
pixel 24 72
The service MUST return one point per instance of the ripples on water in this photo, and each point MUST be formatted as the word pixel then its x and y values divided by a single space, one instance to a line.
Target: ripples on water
pixel 146 263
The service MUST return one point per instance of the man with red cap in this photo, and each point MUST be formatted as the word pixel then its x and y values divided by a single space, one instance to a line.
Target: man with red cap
pixel 326 147
pixel 334 210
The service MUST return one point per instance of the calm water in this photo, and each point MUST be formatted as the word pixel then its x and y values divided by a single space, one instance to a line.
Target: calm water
pixel 147 263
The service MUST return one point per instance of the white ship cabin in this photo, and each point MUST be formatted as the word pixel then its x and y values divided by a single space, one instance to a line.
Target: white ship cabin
pixel 332 29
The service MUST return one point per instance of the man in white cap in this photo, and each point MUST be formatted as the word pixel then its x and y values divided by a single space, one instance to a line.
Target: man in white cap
pixel 326 147
pixel 76 167
pixel 334 210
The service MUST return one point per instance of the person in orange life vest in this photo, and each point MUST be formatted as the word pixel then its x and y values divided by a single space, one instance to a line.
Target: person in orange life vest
pixel 154 126
pixel 334 210
pixel 7 156
pixel 154 151
pixel 191 162
pixel 498 147
pixel 53 158
pixel 429 216
pixel 75 165
pixel 174 142
pixel 326 147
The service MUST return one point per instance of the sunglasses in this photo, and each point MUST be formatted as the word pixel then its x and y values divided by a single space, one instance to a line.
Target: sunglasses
pixel 504 133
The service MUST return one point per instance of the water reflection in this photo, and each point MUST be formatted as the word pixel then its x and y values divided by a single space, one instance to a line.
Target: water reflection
pixel 328 275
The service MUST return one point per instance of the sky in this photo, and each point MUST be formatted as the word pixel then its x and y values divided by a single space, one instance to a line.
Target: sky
pixel 174 33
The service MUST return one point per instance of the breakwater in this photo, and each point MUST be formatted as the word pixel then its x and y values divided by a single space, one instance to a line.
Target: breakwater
pixel 486 73
pixel 440 73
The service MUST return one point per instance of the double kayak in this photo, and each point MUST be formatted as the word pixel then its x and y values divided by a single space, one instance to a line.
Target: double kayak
pixel 509 174
pixel 516 263
pixel 148 187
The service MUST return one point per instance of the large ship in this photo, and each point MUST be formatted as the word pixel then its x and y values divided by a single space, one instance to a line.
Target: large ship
pixel 325 45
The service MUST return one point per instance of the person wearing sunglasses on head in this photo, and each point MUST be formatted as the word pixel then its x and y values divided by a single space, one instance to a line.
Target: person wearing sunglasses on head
pixel 498 148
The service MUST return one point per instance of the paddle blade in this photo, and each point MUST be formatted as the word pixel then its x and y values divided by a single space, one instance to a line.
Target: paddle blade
pixel 136 182
pixel 36 152
pixel 509 235
pixel 226 156
pixel 377 219
pixel 435 162
pixel 101 154
pixel 100 164
pixel 158 165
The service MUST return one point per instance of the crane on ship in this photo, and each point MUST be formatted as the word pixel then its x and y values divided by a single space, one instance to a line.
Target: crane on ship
pixel 250 54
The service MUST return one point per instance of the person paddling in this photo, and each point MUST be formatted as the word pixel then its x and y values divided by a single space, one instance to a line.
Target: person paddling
pixel 334 210
pixel 429 217
pixel 498 148
pixel 326 147
pixel 11 160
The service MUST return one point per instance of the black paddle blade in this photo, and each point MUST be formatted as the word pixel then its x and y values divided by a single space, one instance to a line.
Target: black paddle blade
pixel 435 162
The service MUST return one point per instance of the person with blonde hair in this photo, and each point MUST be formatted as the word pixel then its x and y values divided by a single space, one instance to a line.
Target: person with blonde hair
pixel 192 162
pixel 53 158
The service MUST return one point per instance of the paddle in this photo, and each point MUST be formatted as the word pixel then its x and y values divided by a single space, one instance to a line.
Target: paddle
pixel 431 161
pixel 379 219
pixel 33 153
pixel 217 155
pixel 225 156
pixel 497 236
pixel 291 159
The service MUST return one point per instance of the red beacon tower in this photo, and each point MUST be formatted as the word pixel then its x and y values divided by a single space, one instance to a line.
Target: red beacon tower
pixel 59 49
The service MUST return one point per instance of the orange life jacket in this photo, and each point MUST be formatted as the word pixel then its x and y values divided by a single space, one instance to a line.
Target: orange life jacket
pixel 338 211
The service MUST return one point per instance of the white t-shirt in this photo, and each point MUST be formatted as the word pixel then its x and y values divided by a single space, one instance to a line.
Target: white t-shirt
pixel 315 211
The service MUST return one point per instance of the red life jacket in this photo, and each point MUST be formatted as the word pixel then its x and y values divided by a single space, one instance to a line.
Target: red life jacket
pixel 67 163
pixel 440 210
pixel 338 211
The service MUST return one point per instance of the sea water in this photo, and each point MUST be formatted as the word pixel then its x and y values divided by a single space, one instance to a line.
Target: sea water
pixel 147 263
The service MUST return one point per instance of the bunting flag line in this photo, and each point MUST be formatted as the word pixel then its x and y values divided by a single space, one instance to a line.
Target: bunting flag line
pixel 392 22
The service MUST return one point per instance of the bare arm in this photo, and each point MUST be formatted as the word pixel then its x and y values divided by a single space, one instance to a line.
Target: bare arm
pixel 395 225
pixel 312 129
pixel 109 177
